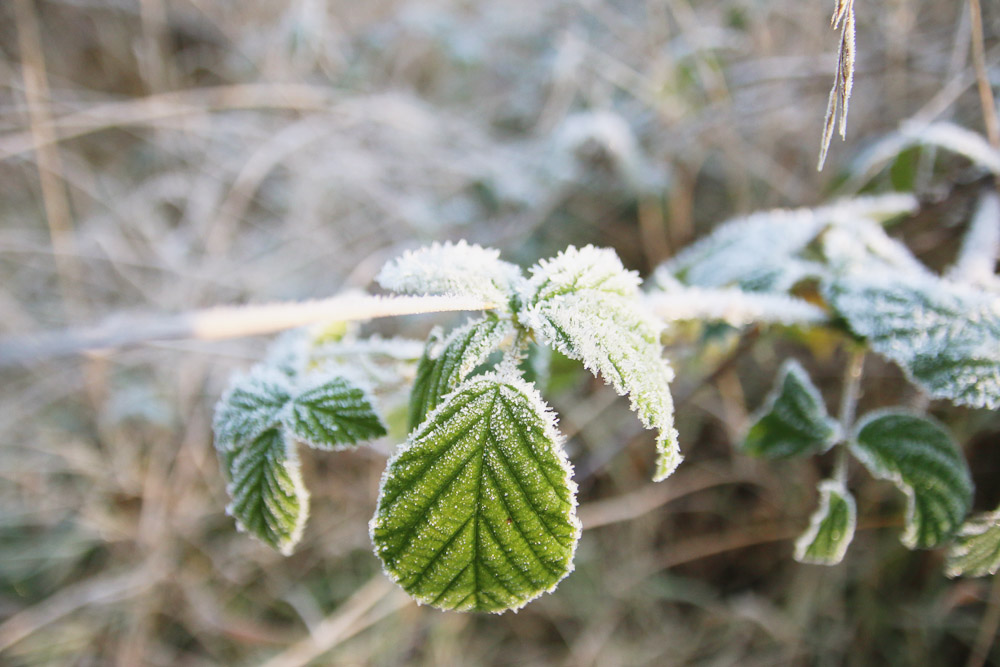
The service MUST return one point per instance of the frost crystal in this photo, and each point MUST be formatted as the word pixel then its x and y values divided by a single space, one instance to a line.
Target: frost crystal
pixel 453 269
pixel 585 304
pixel 733 306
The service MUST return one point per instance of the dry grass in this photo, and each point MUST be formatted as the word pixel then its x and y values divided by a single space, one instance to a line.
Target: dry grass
pixel 163 155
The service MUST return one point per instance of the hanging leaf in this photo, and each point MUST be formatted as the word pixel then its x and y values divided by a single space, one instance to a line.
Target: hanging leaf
pixel 831 527
pixel 946 336
pixel 447 362
pixel 918 456
pixel 453 269
pixel 269 499
pixel 477 509
pixel 585 304
pixel 333 413
pixel 793 421
pixel 252 404
pixel 976 551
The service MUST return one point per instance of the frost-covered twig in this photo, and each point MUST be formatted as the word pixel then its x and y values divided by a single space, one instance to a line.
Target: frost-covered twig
pixel 226 322
pixel 733 306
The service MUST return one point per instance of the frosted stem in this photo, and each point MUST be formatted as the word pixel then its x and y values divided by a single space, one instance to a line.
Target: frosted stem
pixel 848 409
pixel 225 322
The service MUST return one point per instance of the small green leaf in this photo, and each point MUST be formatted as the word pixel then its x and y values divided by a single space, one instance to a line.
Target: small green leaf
pixel 585 304
pixel 793 421
pixel 976 551
pixel 831 527
pixel 477 509
pixel 919 457
pixel 252 404
pixel 945 335
pixel 446 363
pixel 333 413
pixel 453 269
pixel 268 497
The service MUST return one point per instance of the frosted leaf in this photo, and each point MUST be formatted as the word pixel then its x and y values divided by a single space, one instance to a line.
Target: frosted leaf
pixel 269 500
pixel 453 269
pixel 585 305
pixel 331 413
pixel 831 527
pixel 447 362
pixel 766 251
pixel 863 246
pixel 944 135
pixel 978 257
pixel 919 457
pixel 477 511
pixel 252 404
pixel 976 551
pixel 946 336
pixel 732 306
pixel 793 420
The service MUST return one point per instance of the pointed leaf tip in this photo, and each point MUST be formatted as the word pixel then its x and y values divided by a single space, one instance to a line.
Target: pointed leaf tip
pixel 831 527
pixel 333 413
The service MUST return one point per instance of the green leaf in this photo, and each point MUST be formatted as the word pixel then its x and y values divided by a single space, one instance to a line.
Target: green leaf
pixel 793 421
pixel 268 497
pixel 976 551
pixel 945 335
pixel 454 269
pixel 919 457
pixel 446 363
pixel 477 509
pixel 831 527
pixel 585 304
pixel 252 404
pixel 333 413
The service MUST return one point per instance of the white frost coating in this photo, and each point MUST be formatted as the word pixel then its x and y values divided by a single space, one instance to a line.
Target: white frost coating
pixel 453 269
pixel 585 304
pixel 763 251
pixel 252 403
pixel 827 489
pixel 976 550
pixel 944 135
pixel 862 245
pixel 733 306
pixel 978 257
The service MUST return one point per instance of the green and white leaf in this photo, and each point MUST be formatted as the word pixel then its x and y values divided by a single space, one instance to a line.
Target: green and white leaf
pixel 976 551
pixel 253 403
pixel 945 335
pixel 585 304
pixel 447 361
pixel 453 269
pixel 477 511
pixel 793 420
pixel 332 413
pixel 919 457
pixel 269 499
pixel 864 246
pixel 831 527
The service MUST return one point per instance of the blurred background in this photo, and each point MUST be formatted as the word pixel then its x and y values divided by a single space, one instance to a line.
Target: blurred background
pixel 158 156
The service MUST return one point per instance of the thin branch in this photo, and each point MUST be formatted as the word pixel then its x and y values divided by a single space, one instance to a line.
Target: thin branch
pixel 848 409
pixel 224 322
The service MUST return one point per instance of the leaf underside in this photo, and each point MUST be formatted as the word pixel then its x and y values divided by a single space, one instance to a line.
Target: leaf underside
pixel 919 457
pixel 794 421
pixel 440 371
pixel 333 414
pixel 269 499
pixel 831 527
pixel 477 510
pixel 976 551
pixel 945 335
pixel 585 305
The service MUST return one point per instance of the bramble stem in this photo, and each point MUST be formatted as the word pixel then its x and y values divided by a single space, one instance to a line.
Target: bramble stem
pixel 848 408
pixel 225 322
